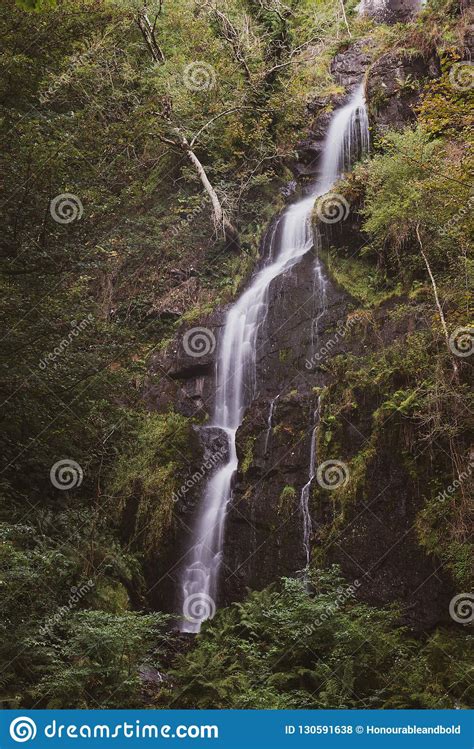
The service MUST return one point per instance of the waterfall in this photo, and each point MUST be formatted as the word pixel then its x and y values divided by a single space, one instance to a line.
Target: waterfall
pixel 347 138
pixel 270 423
pixel 305 492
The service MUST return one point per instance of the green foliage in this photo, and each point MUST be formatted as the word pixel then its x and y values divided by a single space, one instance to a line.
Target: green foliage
pixel 37 5
pixel 418 182
pixel 447 102
pixel 93 660
pixel 68 561
pixel 247 459
pixel 86 111
pixel 287 648
pixel 151 471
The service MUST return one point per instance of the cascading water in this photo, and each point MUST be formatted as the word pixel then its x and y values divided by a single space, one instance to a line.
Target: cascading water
pixel 305 492
pixel 270 422
pixel 347 138
pixel 319 290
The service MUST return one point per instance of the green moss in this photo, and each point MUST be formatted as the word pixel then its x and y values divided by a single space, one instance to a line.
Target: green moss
pixel 248 454
pixel 151 473
pixel 359 278
pixel 283 354
pixel 286 500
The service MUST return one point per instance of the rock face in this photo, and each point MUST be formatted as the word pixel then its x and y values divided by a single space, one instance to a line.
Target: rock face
pixel 308 323
pixel 394 86
pixel 264 523
pixel 390 11
pixel 183 374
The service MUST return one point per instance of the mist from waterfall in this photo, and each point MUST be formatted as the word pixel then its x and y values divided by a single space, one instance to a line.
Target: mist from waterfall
pixel 346 140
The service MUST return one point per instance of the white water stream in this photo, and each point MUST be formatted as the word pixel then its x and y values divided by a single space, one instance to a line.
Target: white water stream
pixel 346 139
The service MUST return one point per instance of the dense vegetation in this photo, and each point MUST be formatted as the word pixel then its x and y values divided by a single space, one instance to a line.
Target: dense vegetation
pixel 285 648
pixel 94 105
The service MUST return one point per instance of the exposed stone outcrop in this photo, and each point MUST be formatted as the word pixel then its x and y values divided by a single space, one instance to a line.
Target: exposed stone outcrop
pixel 394 86
pixel 390 11
pixel 182 374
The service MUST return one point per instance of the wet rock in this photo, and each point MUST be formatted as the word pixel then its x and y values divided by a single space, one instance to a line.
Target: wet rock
pixel 309 149
pixel 215 444
pixel 150 676
pixel 349 66
pixel 264 523
pixel 377 542
pixel 394 87
pixel 182 375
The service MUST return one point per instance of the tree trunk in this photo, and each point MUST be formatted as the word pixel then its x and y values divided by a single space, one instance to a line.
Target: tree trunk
pixel 221 222
pixel 345 17
pixel 438 303
pixel 148 33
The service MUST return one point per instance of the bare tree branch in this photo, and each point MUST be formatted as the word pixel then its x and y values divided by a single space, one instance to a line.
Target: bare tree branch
pixel 436 296
pixel 231 35
pixel 213 119
pixel 345 17
pixel 148 32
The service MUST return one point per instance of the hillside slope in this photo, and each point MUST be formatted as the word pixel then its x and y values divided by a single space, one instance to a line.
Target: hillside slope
pixel 115 251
